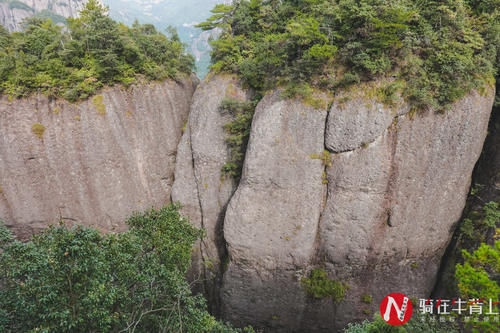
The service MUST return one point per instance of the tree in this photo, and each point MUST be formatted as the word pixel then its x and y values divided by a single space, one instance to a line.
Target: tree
pixel 478 278
pixel 439 50
pixel 92 52
pixel 79 280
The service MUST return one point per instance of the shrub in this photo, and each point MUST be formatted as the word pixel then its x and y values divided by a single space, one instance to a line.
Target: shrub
pixel 79 280
pixel 318 285
pixel 418 323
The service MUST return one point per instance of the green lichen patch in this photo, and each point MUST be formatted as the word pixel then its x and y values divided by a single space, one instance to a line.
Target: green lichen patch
pixel 38 130
pixel 325 157
pixel 366 299
pixel 99 105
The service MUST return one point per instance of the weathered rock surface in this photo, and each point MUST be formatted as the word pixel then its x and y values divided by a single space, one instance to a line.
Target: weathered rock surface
pixel 94 162
pixel 357 122
pixel 486 185
pixel 199 182
pixel 367 192
pixel 394 193
pixel 13 13
pixel 392 206
pixel 272 220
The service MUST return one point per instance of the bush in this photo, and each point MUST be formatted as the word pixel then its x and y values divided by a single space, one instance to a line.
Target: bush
pixel 79 280
pixel 318 285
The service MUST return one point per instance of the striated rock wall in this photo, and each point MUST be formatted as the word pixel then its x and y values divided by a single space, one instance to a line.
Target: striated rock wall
pixel 199 182
pixel 93 162
pixel 486 189
pixel 369 193
pixel 13 12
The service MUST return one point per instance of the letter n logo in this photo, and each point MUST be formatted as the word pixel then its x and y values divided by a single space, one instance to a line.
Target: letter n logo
pixel 396 309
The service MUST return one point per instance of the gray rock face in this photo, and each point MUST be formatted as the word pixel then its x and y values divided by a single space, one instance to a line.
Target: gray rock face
pixel 392 206
pixel 199 183
pixel 486 182
pixel 356 122
pixel 366 192
pixel 94 162
pixel 395 189
pixel 12 14
pixel 272 220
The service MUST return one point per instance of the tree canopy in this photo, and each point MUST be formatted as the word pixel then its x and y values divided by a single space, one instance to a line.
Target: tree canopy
pixel 90 52
pixel 79 280
pixel 435 50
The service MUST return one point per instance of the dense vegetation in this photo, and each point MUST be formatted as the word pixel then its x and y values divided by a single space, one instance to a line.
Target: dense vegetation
pixel 91 52
pixel 478 278
pixel 436 51
pixel 78 280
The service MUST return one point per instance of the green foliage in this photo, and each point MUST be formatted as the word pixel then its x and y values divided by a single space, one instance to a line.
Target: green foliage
pixel 418 323
pixel 477 222
pixel 92 52
pixel 478 279
pixel 318 285
pixel 238 133
pixel 79 280
pixel 439 49
pixel 367 299
pixel 492 214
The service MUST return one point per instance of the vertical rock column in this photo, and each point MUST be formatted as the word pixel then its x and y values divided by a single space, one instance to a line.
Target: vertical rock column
pixel 200 185
pixel 272 220
pixel 392 203
pixel 395 181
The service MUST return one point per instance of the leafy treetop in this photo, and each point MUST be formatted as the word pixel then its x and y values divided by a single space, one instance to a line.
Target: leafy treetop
pixel 78 280
pixel 91 52
pixel 438 50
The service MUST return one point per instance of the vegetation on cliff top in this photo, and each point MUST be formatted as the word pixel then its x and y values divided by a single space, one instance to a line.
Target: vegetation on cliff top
pixel 93 51
pixel 78 280
pixel 437 50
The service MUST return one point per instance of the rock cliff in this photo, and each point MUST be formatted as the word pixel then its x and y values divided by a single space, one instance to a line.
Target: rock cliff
pixel 199 183
pixel 13 12
pixel 367 192
pixel 93 162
